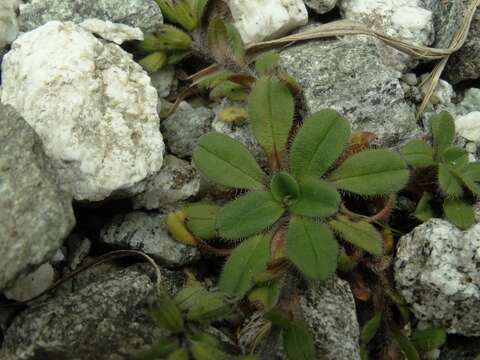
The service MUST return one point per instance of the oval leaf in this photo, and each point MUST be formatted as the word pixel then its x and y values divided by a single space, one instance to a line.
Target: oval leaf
pixel 318 198
pixel 201 219
pixel 372 172
pixel 227 162
pixel 312 248
pixel 360 234
pixel 424 210
pixel 225 42
pixel 406 346
pixel 284 187
pixel 370 329
pixel 429 339
pixel 459 213
pixel 298 342
pixel 270 111
pixel 443 132
pixel 248 215
pixel 248 259
pixel 455 156
pixel 209 307
pixel 418 153
pixel 320 141
pixel 447 180
pixel 266 64
pixel 168 315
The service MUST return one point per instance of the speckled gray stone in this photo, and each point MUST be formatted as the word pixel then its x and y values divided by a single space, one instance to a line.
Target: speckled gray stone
pixel 148 233
pixel 144 14
pixel 177 181
pixel 105 320
pixel 182 129
pixel 36 215
pixel 437 270
pixel 349 77
pixel 321 6
pixel 163 81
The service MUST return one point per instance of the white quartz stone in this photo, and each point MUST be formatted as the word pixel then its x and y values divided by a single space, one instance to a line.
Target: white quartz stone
pixel 91 104
pixel 118 33
pixel 468 126
pixel 8 22
pixel 258 20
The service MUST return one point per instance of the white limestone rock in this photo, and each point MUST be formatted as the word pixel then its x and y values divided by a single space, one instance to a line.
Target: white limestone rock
pixel 258 20
pixel 405 19
pixel 468 126
pixel 437 270
pixel 92 106
pixel 8 22
pixel 118 33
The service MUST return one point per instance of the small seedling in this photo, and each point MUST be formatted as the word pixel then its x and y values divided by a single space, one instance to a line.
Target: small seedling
pixel 443 175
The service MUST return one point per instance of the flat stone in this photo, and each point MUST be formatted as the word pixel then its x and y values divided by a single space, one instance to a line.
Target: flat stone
pixel 36 214
pixel 144 14
pixel 350 77
pixel 118 33
pixel 92 106
pixel 437 272
pixel 148 233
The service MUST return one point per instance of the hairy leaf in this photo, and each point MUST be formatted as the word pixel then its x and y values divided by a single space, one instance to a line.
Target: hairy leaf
pixel 428 339
pixel 225 42
pixel 289 82
pixel 455 156
pixel 160 349
pixel 233 115
pixel 180 354
pixel 198 7
pixel 248 215
pixel 189 296
pixel 249 258
pixel 320 141
pixel 424 211
pixel 298 342
pixel 227 162
pixel 318 198
pixel 209 307
pixel 267 63
pixel 406 346
pixel 204 351
pixel 418 153
pixel 372 172
pixel 459 213
pixel 168 315
pixel 177 228
pixel 201 219
pixel 312 248
pixel 181 13
pixel 449 183
pixel 230 90
pixel 267 296
pixel 443 131
pixel 154 62
pixel 470 176
pixel 174 57
pixel 360 234
pixel 270 111
pixel 171 38
pixel 284 187
pixel 370 329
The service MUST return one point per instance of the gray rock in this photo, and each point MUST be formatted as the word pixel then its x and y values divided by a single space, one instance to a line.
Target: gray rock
pixel 36 215
pixel 148 233
pixel 321 6
pixel 8 22
pixel 182 129
pixel 78 249
pixel 437 270
pixel 32 284
pixel 144 14
pixel 106 320
pixel 177 181
pixel 460 348
pixel 163 81
pixel 350 77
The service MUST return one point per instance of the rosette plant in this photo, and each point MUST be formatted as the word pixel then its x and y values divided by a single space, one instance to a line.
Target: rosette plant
pixel 291 211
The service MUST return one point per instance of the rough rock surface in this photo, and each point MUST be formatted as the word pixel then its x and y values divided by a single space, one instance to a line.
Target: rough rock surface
pixel 183 128
pixel 177 181
pixel 90 103
pixel 148 233
pixel 350 77
pixel 163 81
pixel 258 20
pixel 32 284
pixel 404 19
pixel 35 214
pixel 321 6
pixel 8 22
pixel 105 320
pixel 144 14
pixel 437 272
pixel 118 33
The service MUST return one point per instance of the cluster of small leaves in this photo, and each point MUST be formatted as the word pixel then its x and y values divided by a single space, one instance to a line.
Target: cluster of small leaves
pixel 186 318
pixel 456 178
pixel 169 45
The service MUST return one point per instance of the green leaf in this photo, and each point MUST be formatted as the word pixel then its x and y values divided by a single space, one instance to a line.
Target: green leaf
pixel 225 42
pixel 153 62
pixel 201 219
pixel 168 315
pixel 181 13
pixel 174 57
pixel 171 38
pixel 205 337
pixel 372 172
pixel 370 329
pixel 298 342
pixel 470 176
pixel 312 248
pixel 198 7
pixel 449 183
pixel 318 198
pixel 203 351
pixel 267 63
pixel 229 90
pixel 270 111
pixel 180 354
pixel 267 295
pixel 406 346
pixel 443 131
pixel 227 162
pixel 249 258
pixel 320 141
pixel 424 211
pixel 208 308
pixel 248 215
pixel 160 349
pixel 429 339
pixel 459 213
pixel 418 153
pixel 360 234
pixel 284 187
pixel 189 296
pixel 455 156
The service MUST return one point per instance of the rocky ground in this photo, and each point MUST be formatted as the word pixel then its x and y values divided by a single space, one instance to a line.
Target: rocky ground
pixel 92 160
